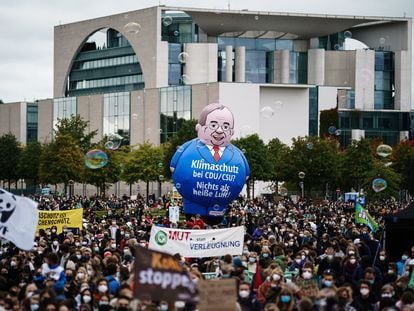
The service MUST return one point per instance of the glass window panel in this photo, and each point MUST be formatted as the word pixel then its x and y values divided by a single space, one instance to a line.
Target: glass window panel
pixel 284 44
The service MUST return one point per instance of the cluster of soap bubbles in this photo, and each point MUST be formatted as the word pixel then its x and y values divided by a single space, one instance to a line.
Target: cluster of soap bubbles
pixel 332 130
pixel 96 158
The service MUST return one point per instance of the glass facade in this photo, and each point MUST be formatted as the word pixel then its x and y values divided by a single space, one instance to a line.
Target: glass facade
pixel 313 111
pixel 116 115
pixel 385 125
pixel 384 80
pixel 106 63
pixel 63 108
pixel 175 68
pixel 175 106
pixel 332 42
pixel 32 122
pixel 260 59
pixel 178 27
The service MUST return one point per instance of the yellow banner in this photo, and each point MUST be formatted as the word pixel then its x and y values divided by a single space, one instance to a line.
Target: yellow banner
pixel 72 219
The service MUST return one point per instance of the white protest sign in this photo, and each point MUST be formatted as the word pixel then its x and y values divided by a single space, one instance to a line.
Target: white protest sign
pixel 197 243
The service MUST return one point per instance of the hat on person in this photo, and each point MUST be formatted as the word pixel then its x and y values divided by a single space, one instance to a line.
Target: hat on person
pixel 237 262
pixel 107 253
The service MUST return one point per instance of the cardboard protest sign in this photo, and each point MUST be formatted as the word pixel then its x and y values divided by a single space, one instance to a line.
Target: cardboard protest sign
pixel 218 295
pixel 160 276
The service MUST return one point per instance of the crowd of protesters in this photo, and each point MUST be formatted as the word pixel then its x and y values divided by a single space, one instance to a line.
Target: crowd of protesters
pixel 296 256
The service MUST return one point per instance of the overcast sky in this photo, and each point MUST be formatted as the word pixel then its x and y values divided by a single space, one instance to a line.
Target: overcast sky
pixel 26 30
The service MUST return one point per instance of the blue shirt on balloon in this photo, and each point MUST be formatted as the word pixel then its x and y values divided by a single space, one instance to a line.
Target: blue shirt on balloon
pixel 208 186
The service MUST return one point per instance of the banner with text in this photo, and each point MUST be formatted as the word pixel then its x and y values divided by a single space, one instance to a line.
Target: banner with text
pixel 160 276
pixel 197 243
pixel 72 219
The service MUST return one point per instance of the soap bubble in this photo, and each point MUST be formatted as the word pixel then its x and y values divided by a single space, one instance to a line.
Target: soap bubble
pixel 337 47
pixel 267 112
pixel 161 177
pixel 185 79
pixel 160 165
pixel 256 17
pixel 283 191
pixel 167 21
pixel 388 164
pixel 278 104
pixel 382 40
pixel 309 146
pixel 116 140
pixel 183 57
pixel 243 150
pixel 109 145
pixel 135 116
pixel 176 33
pixel 301 175
pixel 348 34
pixel 384 150
pixel 332 130
pixel 178 185
pixel 95 159
pixel 379 184
pixel 132 27
pixel 338 132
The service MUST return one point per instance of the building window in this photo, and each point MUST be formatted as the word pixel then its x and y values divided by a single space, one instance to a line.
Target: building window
pixel 175 106
pixel 32 122
pixel 116 115
pixel 384 80
pixel 63 108
pixel 313 111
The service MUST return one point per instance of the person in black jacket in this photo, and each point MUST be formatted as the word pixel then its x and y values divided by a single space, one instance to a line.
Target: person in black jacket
pixel 365 300
pixel 246 299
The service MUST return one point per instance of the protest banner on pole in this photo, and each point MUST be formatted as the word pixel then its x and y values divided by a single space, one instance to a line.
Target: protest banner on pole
pixel 197 243
pixel 211 290
pixel 159 276
pixel 72 219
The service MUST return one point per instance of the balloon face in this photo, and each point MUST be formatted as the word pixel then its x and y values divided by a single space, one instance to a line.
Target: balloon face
pixel 95 159
pixel 218 129
pixel 384 150
pixel 379 184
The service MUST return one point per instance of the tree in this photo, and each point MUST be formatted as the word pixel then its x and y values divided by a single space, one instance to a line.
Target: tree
pixel 9 158
pixel 403 163
pixel 393 179
pixel 358 161
pixel 256 154
pixel 61 161
pixel 277 153
pixel 78 130
pixel 29 163
pixel 143 163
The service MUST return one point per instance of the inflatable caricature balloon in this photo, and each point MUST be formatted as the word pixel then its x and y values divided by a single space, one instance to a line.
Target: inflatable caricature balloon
pixel 208 171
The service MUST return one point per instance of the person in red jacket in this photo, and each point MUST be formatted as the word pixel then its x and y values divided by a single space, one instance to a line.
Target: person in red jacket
pixel 199 222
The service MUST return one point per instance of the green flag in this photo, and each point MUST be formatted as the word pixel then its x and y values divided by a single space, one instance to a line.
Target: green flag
pixel 363 217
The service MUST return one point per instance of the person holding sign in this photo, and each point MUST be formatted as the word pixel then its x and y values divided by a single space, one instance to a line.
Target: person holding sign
pixel 209 172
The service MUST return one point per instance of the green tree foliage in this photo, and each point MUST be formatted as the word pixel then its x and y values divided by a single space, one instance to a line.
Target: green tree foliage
pixel 145 163
pixel 278 154
pixel 185 133
pixel 78 130
pixel 61 161
pixel 256 154
pixel 379 170
pixel 29 163
pixel 403 163
pixel 9 158
pixel 356 165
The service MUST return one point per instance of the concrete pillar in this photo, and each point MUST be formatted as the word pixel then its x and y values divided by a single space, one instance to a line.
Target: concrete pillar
pixel 281 66
pixel 229 64
pixel 240 66
pixel 402 81
pixel 316 66
pixel 364 79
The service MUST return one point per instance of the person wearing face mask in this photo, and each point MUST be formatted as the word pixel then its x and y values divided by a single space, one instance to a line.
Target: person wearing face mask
pixel 285 301
pixel 349 266
pixel 297 262
pixel 86 297
pixel 113 283
pixel 382 262
pixel 387 298
pixel 401 263
pixel 115 232
pixel 102 291
pixel 328 279
pixel 245 298
pixel 270 289
pixel 307 283
pixel 365 299
pixel 329 262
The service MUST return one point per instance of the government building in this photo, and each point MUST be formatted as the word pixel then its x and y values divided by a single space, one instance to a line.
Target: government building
pixel 140 73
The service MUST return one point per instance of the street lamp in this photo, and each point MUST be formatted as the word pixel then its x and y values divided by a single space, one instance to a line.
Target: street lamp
pixel 302 183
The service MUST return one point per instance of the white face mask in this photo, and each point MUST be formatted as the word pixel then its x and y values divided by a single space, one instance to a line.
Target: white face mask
pixel 81 275
pixel 87 298
pixel 364 291
pixel 382 258
pixel 307 275
pixel 352 261
pixel 276 277
pixel 244 293
pixel 55 243
pixel 102 288
pixel 113 245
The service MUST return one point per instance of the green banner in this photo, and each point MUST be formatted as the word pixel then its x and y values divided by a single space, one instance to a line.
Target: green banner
pixel 363 217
